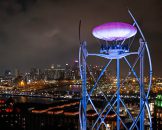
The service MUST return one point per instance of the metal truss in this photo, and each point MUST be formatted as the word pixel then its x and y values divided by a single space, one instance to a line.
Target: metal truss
pixel 115 102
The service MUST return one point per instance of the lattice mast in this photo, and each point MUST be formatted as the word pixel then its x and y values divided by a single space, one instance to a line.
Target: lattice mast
pixel 119 32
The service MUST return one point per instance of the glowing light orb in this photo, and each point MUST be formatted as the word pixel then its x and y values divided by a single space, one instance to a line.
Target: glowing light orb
pixel 22 83
pixel 114 31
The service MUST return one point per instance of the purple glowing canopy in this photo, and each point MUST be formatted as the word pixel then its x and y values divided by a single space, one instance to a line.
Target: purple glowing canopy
pixel 114 31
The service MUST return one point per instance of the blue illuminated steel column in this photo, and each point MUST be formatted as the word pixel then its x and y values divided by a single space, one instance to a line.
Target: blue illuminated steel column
pixel 82 62
pixel 115 52
pixel 142 92
pixel 118 93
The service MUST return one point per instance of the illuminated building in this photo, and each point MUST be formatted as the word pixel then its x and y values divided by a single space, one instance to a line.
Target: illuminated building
pixel 7 79
pixel 49 74
pixel 35 74
pixel 22 83
pixel 158 113
pixel 68 72
pixel 59 72
pixel 7 73
pixel 10 117
pixel 75 70
pixel 17 73
pixel 52 66
pixel 54 73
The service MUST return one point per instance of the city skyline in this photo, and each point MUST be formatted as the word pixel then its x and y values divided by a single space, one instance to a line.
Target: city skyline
pixel 37 33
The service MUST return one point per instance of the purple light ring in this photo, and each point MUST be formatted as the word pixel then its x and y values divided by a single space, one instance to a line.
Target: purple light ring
pixel 114 31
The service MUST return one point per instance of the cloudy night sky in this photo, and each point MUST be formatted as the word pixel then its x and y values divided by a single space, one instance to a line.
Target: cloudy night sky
pixel 38 33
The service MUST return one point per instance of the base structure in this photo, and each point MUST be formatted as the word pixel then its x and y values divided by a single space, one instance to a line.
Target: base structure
pixel 115 102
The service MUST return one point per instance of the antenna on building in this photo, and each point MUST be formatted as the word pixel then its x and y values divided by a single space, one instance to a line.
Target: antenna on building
pixel 80 22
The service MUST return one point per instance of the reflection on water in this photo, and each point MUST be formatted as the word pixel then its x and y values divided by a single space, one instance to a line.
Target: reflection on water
pixel 23 99
pixel 26 99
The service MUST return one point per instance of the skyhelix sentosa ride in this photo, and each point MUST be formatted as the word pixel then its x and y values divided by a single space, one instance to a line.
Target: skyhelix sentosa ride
pixel 119 38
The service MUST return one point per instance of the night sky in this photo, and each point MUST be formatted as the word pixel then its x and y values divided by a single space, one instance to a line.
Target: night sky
pixel 38 33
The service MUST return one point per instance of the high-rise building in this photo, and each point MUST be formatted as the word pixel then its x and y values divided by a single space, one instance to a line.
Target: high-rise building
pixel 7 79
pixel 59 72
pixel 17 73
pixel 35 74
pixel 75 69
pixel 54 73
pixel 68 72
pixel 48 74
